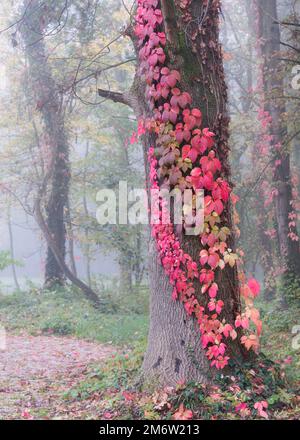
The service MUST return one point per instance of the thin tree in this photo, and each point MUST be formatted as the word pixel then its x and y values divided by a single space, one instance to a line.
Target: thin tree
pixel 11 248
pixel 275 106
pixel 48 101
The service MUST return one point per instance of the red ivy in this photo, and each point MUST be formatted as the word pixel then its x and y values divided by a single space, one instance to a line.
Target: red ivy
pixel 187 158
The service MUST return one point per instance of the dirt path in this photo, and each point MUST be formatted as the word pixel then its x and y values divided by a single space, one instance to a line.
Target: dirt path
pixel 35 370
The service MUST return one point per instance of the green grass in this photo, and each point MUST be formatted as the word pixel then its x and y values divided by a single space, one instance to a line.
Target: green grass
pixel 66 312
pixel 277 337
pixel 118 380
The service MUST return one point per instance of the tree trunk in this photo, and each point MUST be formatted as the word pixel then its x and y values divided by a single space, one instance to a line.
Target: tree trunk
pixel 273 84
pixel 11 248
pixel 174 350
pixel 70 235
pixel 87 247
pixel 138 266
pixel 89 293
pixel 125 266
pixel 48 101
pixel 296 149
pixel 267 247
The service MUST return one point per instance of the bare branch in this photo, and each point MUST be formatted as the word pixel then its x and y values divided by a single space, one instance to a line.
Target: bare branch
pixel 286 23
pixel 99 71
pixel 90 294
pixel 290 46
pixel 115 96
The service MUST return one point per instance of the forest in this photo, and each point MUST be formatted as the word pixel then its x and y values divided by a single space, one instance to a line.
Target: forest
pixel 150 210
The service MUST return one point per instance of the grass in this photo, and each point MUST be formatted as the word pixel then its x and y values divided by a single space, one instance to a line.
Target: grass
pixel 117 387
pixel 114 387
pixel 118 373
pixel 66 312
pixel 279 339
pixel 123 320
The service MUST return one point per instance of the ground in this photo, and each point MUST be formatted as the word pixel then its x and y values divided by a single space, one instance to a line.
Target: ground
pixel 35 371
pixel 66 360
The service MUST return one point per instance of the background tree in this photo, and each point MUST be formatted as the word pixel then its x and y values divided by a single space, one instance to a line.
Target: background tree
pixel 275 106
pixel 47 97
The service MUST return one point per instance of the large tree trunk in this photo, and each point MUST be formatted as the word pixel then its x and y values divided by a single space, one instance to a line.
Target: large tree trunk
pixel 174 350
pixel 48 101
pixel 273 84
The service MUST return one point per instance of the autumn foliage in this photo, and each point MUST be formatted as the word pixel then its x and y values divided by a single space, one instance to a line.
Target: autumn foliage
pixel 185 157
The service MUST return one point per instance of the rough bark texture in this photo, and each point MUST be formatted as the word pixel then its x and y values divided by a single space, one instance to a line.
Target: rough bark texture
pixel 174 352
pixel 48 101
pixel 269 34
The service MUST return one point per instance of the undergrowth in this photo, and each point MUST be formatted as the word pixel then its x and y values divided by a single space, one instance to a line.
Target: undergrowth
pixel 67 312
pixel 117 384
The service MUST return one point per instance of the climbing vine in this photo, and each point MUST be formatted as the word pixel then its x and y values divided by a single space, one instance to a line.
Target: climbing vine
pixel 185 156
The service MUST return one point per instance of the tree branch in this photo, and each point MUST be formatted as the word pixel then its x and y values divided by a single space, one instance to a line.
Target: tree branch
pixel 89 293
pixel 290 46
pixel 286 23
pixel 99 71
pixel 121 98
